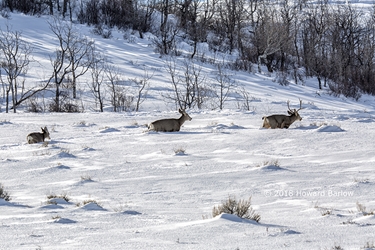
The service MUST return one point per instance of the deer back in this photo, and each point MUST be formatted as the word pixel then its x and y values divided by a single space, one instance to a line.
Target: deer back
pixel 274 121
pixel 165 125
pixel 170 125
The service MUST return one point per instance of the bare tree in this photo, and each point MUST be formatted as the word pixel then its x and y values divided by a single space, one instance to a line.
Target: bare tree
pixel 14 61
pixel 288 15
pixel 166 41
pixel 245 98
pixel 315 42
pixel 224 85
pixel 142 86
pixel 194 79
pixel 80 56
pixel 200 15
pixel 144 12
pixel 67 7
pixel 269 35
pixel 188 84
pixel 114 78
pixel 61 65
pixel 73 56
pixel 171 67
pixel 97 77
pixel 231 17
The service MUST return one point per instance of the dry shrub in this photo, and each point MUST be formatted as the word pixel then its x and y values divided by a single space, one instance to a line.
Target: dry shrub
pixel 241 208
pixel 4 194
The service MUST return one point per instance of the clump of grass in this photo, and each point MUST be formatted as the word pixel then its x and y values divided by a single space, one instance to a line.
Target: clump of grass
pixel 272 163
pixel 41 153
pixel 179 151
pixel 241 208
pixel 337 247
pixel 4 194
pixel 365 180
pixel 51 202
pixel 349 222
pixel 85 147
pixel 362 208
pixel 135 123
pixel 56 217
pixel 85 202
pixel 212 124
pixel 86 178
pixel 120 208
pixel 63 196
pixel 268 163
pixel 81 124
pixel 323 210
pixel 65 151
pixel 4 122
pixel 369 245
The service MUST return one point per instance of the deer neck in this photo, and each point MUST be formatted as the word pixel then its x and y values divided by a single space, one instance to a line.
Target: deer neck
pixel 182 119
pixel 293 117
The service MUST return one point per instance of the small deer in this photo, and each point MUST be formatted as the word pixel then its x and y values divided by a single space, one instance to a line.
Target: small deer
pixel 38 137
pixel 170 125
pixel 282 121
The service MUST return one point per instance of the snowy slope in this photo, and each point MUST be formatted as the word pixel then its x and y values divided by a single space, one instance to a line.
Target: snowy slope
pixel 305 182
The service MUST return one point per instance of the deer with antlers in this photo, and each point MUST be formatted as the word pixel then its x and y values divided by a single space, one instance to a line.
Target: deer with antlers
pixel 282 121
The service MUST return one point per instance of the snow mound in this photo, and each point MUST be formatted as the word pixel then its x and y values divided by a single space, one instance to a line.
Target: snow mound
pixel 5 122
pixel 61 167
pixel 64 154
pixel 330 128
pixel 366 120
pixel 234 218
pixel 271 167
pixel 131 212
pixel 289 231
pixel 52 206
pixel 83 124
pixel 310 127
pixel 64 221
pixel 109 130
pixel 92 206
pixel 58 201
pixel 4 202
pixel 223 126
pixel 365 220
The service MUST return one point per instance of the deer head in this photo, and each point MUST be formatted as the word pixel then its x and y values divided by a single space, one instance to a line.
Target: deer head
pixel 294 112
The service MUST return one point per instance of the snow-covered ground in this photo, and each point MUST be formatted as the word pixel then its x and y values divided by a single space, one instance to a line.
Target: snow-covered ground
pixel 154 190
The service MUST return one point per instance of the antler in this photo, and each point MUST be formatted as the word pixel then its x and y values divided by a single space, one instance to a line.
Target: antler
pixel 300 105
pixel 288 105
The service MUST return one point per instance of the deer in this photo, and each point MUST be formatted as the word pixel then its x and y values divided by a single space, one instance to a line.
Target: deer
pixel 170 125
pixel 36 137
pixel 282 121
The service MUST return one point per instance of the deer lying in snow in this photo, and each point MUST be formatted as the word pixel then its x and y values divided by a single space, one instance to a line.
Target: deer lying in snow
pixel 170 125
pixel 282 121
pixel 38 137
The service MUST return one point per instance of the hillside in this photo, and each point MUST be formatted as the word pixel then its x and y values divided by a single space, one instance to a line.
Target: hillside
pixel 127 188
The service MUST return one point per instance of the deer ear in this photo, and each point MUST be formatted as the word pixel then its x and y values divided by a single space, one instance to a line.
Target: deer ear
pixel 180 111
pixel 290 112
